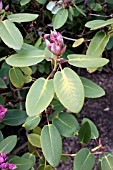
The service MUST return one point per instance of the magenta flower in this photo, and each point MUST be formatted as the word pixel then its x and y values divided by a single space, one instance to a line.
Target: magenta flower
pixel 1 5
pixel 3 111
pixel 56 43
pixel 12 166
pixel 4 165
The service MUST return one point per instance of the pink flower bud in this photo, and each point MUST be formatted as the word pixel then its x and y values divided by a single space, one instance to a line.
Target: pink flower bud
pixel 3 111
pixel 1 159
pixel 56 43
pixel 4 166
pixel 1 5
pixel 12 166
pixel 7 8
pixel 4 156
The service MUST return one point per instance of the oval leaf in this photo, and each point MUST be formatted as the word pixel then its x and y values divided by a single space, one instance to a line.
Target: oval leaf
pixel 69 89
pixel 26 59
pixel 7 144
pixel 51 144
pixel 60 18
pixel 15 117
pixel 94 130
pixel 95 24
pixel 66 124
pixel 34 139
pixel 41 94
pixel 78 42
pixel 31 122
pixel 24 2
pixel 97 44
pixel 84 134
pixel 2 84
pixel 85 61
pixel 92 90
pixel 107 162
pixel 22 17
pixel 10 35
pixel 84 160
pixel 16 77
pixel 22 163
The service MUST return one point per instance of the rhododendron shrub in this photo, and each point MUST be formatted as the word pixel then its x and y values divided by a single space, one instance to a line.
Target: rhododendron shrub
pixel 43 46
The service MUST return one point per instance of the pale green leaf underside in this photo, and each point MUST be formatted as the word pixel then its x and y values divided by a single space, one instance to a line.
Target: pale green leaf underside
pixel 26 59
pixel 69 89
pixel 10 35
pixel 86 61
pixel 60 18
pixel 51 144
pixel 31 122
pixel 96 24
pixel 24 2
pixel 97 44
pixel 22 17
pixel 39 96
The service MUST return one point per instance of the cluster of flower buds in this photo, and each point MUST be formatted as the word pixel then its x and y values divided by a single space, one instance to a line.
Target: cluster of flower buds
pixel 4 165
pixel 1 6
pixel 55 43
pixel 3 111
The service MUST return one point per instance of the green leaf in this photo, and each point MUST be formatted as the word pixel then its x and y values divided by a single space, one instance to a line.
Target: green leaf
pixel 22 163
pixel 15 117
pixel 51 144
pixel 2 100
pixel 78 42
pixel 84 160
pixel 25 48
pixel 66 124
pixel 26 70
pixel 31 122
pixel 41 94
pixel 107 162
pixel 30 156
pixel 43 167
pixel 41 1
pixel 26 59
pixel 24 2
pixel 22 17
pixel 80 10
pixel 27 79
pixel 85 61
pixel 69 89
pixel 60 18
pixel 84 134
pixel 94 130
pixel 1 136
pixel 7 144
pixel 16 77
pixel 37 130
pixel 10 35
pixel 92 90
pixel 96 7
pixel 34 139
pixel 2 84
pixel 96 24
pixel 98 44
